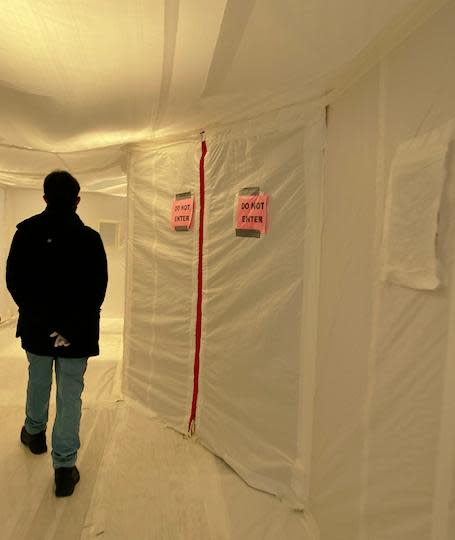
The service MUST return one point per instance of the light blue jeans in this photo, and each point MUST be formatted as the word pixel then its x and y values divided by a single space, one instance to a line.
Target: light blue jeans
pixel 69 374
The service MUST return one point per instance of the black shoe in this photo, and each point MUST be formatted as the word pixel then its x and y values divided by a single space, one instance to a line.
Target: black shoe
pixel 65 480
pixel 36 443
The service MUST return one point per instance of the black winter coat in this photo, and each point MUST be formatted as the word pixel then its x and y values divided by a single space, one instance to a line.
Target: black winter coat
pixel 57 274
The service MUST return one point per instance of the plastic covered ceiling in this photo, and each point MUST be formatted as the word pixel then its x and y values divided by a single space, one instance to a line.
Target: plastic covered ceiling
pixel 81 79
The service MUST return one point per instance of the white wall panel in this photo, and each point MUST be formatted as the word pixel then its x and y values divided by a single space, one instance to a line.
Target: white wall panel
pixel 162 266
pixel 384 426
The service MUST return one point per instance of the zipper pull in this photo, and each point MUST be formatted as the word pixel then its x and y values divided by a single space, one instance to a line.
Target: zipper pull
pixel 192 428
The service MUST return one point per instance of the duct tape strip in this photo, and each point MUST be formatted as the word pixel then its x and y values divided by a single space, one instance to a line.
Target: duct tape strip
pixel 314 145
pixel 129 275
pixel 248 233
pixel 117 390
pixel 377 289
pixel 245 192
pixel 185 195
pixel 153 276
pixel 444 486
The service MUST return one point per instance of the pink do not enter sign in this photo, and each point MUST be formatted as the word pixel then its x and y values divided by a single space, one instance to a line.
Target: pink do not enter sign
pixel 252 212
pixel 182 213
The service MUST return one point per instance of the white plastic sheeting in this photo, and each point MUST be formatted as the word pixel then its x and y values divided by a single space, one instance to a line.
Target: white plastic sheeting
pixel 138 479
pixel 161 286
pixel 254 300
pixel 79 80
pixel 383 443
pixel 5 302
pixel 373 456
pixel 259 298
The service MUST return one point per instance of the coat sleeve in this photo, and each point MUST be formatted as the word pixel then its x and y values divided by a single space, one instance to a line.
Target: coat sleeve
pixel 15 276
pixel 100 274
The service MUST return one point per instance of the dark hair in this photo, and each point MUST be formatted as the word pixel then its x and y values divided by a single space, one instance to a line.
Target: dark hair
pixel 61 189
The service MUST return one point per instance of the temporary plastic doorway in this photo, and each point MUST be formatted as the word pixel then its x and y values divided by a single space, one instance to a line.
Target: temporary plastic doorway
pixel 216 338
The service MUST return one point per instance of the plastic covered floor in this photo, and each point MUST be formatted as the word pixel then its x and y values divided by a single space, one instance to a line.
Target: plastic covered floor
pixel 139 479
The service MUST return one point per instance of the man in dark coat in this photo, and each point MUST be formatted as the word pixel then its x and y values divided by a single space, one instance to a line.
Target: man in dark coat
pixel 57 274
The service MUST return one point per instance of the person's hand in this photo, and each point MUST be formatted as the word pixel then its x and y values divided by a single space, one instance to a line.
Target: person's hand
pixel 60 341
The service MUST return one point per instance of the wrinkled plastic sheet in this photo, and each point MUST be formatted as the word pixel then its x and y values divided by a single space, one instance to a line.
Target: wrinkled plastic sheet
pixel 139 479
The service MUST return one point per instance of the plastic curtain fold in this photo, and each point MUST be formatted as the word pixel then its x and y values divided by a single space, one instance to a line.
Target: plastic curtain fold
pixel 410 249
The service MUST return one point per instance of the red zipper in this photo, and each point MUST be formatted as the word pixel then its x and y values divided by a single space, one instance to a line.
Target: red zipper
pixel 197 349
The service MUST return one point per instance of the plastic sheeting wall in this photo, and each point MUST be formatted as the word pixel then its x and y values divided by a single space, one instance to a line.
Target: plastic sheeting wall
pixel 161 283
pixel 94 209
pixel 140 68
pixel 259 298
pixel 383 448
pixel 5 302
pixel 383 440
pixel 256 294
